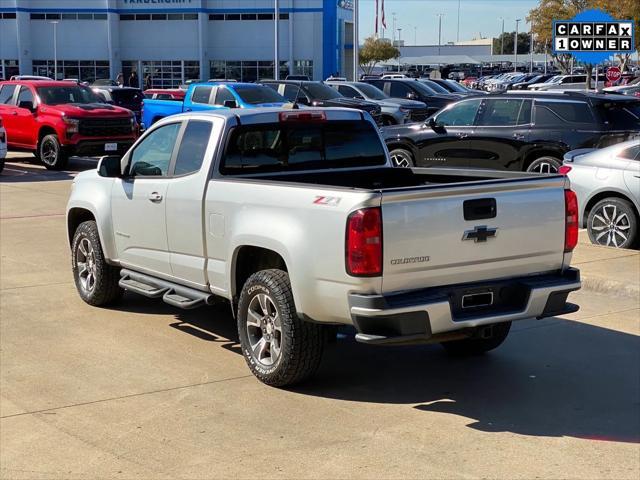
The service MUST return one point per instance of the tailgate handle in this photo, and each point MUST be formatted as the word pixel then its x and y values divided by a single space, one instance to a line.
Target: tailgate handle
pixel 479 209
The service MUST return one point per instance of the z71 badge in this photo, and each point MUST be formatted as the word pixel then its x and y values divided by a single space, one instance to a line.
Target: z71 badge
pixel 328 201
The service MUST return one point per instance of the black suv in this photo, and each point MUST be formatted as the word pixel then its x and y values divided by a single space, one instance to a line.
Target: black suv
pixel 526 132
pixel 415 90
pixel 319 94
pixel 126 97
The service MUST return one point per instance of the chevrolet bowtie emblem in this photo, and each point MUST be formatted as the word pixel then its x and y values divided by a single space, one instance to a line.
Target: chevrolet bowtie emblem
pixel 480 234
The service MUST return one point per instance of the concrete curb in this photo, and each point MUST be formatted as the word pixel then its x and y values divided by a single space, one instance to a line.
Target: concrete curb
pixel 607 286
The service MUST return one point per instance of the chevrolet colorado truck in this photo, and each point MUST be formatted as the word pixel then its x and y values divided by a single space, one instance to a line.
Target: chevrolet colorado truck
pixel 300 221
pixel 212 96
pixel 57 119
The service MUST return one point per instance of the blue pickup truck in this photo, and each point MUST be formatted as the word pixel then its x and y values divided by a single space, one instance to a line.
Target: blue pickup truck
pixel 211 96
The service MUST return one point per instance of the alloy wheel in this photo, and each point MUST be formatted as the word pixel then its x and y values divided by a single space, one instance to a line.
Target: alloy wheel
pixel 400 159
pixel 86 261
pixel 264 329
pixel 609 228
pixel 49 152
pixel 545 167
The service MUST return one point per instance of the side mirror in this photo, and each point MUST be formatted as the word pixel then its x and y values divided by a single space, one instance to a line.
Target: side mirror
pixel 109 167
pixel 302 100
pixel 230 104
pixel 411 95
pixel 27 104
pixel 435 126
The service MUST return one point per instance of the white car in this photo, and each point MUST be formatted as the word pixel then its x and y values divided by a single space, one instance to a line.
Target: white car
pixel 3 145
pixel 393 75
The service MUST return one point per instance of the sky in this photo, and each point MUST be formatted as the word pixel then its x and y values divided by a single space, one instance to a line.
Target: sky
pixel 419 22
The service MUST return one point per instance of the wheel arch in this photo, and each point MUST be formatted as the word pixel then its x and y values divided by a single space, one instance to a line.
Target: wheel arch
pixel 537 153
pixel 403 143
pixel 601 196
pixel 249 259
pixel 76 216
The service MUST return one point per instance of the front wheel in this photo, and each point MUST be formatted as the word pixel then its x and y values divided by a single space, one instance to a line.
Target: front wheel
pixel 96 280
pixel 401 158
pixel 279 347
pixel 479 345
pixel 544 165
pixel 51 153
pixel 612 222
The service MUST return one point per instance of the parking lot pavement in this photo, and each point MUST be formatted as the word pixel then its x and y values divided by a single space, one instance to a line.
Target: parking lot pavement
pixel 148 391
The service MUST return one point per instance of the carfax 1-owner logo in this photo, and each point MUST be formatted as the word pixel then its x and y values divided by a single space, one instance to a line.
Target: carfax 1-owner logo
pixel 593 36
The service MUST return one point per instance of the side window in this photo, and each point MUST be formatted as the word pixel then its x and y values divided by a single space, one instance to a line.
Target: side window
pixel 192 147
pixel 348 91
pixel 398 90
pixel 378 84
pixel 25 95
pixel 573 112
pixel 524 118
pixel 290 92
pixel 222 95
pixel 201 94
pixel 6 94
pixel 631 153
pixel 462 114
pixel 500 113
pixel 152 156
pixel 163 96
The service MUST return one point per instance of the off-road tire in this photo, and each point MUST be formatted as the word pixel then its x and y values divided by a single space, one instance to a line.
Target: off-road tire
pixel 105 290
pixel 544 165
pixel 302 343
pixel 476 345
pixel 51 153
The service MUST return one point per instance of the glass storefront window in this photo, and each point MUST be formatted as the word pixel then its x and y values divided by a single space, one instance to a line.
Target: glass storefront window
pixel 164 73
pixel 245 70
pixel 83 70
pixel 9 68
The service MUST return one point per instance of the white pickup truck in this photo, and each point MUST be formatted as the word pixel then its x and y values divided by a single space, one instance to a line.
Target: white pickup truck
pixel 298 219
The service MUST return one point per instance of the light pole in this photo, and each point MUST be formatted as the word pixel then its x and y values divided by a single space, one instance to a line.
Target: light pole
pixel 355 40
pixel 55 48
pixel 531 49
pixel 502 38
pixel 276 53
pixel 393 31
pixel 515 47
pixel 399 40
pixel 415 35
pixel 458 33
pixel 439 15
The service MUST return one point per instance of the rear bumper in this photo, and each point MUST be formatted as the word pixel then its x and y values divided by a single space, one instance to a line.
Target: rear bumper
pixel 435 314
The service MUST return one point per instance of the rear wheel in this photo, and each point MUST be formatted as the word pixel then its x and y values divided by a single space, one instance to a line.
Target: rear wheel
pixel 479 345
pixel 544 165
pixel 401 158
pixel 279 347
pixel 612 222
pixel 51 153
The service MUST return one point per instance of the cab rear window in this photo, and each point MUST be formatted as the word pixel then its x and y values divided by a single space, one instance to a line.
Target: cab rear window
pixel 282 147
pixel 621 115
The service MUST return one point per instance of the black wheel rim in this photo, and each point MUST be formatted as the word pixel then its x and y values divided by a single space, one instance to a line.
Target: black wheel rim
pixel 49 152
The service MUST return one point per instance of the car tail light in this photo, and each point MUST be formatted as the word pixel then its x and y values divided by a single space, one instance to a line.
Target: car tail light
pixel 0 121
pixel 571 220
pixel 364 243
pixel 297 116
pixel 564 169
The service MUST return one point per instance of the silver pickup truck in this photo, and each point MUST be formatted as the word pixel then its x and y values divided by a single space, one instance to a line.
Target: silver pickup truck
pixel 298 219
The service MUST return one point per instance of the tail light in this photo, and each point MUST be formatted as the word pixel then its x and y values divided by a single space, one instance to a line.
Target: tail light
pixel 564 169
pixel 364 243
pixel 0 121
pixel 571 220
pixel 298 116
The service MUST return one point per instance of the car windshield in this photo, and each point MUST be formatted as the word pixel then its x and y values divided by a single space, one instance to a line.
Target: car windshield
pixel 372 92
pixel 294 146
pixel 320 91
pixel 66 94
pixel 455 86
pixel 256 94
pixel 424 89
pixel 434 86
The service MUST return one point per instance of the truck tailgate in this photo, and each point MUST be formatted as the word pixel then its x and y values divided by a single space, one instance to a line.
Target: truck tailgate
pixel 428 242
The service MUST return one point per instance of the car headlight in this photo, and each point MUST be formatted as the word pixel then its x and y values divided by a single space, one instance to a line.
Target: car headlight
pixel 72 125
pixel 406 111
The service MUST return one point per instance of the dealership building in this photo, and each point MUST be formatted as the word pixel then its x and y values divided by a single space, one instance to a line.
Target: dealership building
pixel 175 40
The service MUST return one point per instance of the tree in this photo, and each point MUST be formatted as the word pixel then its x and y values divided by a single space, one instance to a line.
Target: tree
pixel 374 51
pixel 524 43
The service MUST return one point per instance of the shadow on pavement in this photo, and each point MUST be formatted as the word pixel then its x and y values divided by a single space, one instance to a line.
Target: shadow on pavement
pixel 29 169
pixel 551 378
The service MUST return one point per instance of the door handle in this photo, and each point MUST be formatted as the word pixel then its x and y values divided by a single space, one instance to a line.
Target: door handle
pixel 462 135
pixel 518 136
pixel 155 197
pixel 187 109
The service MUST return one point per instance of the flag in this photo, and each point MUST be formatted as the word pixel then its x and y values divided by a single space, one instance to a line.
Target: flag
pixel 376 18
pixel 384 21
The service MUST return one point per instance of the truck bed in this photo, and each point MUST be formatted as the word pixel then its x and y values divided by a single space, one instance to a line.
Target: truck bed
pixel 387 178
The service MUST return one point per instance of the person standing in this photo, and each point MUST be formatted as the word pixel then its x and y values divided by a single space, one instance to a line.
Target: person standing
pixel 148 83
pixel 133 80
pixel 120 80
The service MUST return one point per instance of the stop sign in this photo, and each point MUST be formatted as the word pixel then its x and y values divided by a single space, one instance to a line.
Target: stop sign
pixel 613 74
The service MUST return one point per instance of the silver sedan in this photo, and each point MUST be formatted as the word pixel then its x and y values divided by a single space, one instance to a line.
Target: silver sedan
pixel 607 183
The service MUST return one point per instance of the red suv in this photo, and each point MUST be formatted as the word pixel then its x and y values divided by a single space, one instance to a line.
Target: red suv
pixel 56 120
